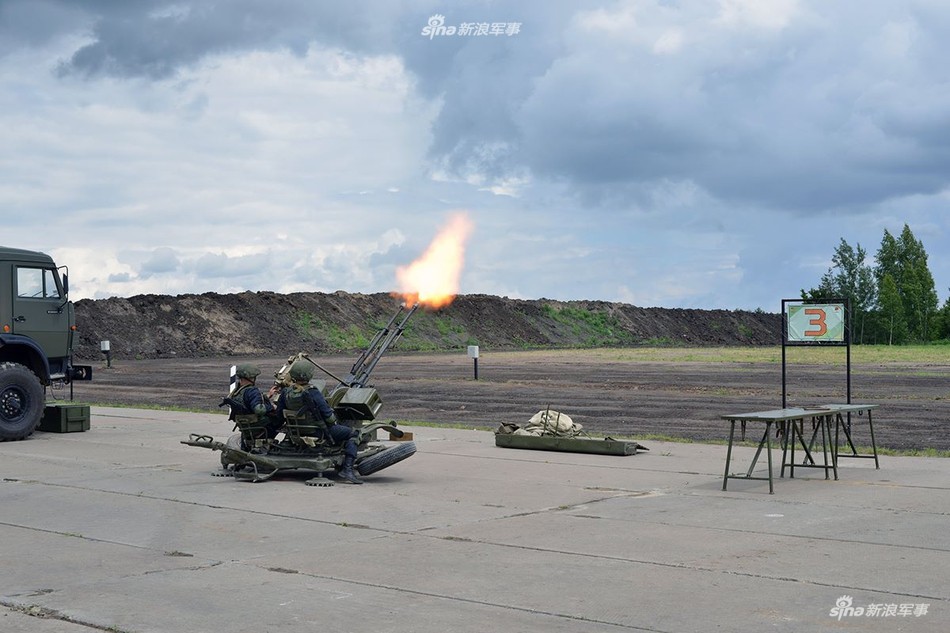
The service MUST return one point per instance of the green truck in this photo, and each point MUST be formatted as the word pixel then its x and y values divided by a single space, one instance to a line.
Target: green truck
pixel 37 327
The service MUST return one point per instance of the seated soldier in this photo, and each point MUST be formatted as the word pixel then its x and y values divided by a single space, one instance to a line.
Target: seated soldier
pixel 250 410
pixel 307 403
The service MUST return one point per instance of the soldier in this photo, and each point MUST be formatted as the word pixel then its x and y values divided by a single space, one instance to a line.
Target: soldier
pixel 250 410
pixel 308 403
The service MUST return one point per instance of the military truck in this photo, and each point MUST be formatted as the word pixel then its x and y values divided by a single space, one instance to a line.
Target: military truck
pixel 37 326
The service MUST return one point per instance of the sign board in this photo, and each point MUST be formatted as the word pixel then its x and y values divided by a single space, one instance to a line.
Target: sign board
pixel 816 323
pixel 473 351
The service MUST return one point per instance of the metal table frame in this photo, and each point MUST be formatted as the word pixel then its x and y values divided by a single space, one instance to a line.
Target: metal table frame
pixel 790 421
pixel 824 416
pixel 821 420
pixel 774 416
pixel 845 425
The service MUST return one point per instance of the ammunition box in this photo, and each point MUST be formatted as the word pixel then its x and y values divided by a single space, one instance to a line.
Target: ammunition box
pixel 360 403
pixel 65 418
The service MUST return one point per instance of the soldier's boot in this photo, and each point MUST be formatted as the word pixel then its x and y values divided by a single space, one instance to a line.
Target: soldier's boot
pixel 348 474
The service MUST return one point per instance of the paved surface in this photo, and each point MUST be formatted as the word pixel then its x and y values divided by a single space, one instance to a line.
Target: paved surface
pixel 122 528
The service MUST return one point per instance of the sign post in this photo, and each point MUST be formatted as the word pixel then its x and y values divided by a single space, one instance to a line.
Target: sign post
pixel 816 323
pixel 473 354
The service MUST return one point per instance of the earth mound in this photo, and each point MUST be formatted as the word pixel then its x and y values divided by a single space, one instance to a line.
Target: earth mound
pixel 264 323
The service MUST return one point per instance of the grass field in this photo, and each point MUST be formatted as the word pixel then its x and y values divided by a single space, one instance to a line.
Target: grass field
pixel 860 354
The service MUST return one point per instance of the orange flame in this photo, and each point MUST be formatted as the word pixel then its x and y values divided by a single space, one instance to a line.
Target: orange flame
pixel 433 279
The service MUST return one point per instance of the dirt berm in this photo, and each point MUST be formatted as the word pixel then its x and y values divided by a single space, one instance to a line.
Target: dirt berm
pixel 176 352
pixel 266 323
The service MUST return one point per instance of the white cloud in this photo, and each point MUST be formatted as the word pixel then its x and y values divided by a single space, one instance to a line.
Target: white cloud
pixel 275 139
pixel 669 153
pixel 669 42
pixel 772 14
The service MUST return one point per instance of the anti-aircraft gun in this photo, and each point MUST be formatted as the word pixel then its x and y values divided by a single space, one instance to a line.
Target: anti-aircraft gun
pixel 253 456
pixel 353 399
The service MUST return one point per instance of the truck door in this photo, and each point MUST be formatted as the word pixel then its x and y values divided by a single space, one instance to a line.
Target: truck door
pixel 39 309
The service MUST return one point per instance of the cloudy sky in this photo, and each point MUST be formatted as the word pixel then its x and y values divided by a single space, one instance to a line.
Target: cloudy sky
pixel 675 153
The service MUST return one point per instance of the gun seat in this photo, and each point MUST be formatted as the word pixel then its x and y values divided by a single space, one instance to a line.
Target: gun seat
pixel 303 430
pixel 253 430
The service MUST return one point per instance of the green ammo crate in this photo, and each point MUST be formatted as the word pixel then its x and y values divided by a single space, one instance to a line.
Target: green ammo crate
pixel 65 418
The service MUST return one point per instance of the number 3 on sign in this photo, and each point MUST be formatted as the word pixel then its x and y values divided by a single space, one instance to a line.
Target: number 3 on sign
pixel 814 323
pixel 817 320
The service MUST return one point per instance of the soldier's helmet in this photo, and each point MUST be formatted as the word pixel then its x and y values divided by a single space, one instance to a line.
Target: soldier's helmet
pixel 301 371
pixel 247 371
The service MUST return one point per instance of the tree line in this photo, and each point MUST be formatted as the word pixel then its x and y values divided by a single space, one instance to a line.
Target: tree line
pixel 892 302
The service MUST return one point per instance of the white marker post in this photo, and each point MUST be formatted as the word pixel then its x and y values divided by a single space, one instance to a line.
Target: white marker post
pixel 473 354
pixel 233 386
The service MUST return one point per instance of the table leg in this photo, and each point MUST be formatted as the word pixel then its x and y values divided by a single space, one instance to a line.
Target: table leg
pixel 873 443
pixel 732 434
pixel 795 431
pixel 834 455
pixel 822 422
pixel 841 425
pixel 784 426
pixel 758 451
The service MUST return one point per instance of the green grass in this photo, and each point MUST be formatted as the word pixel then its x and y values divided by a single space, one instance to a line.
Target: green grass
pixel 594 328
pixel 434 331
pixel 336 337
pixel 860 354
pixel 349 338
pixel 304 322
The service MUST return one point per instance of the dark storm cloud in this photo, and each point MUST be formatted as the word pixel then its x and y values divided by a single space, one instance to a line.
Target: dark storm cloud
pixel 806 118
pixel 33 23
pixel 842 105
pixel 155 38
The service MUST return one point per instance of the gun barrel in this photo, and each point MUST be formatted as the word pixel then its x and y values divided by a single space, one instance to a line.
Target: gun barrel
pixel 373 344
pixel 384 339
pixel 234 454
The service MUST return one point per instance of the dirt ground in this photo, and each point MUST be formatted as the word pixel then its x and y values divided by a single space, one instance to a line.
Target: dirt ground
pixel 615 397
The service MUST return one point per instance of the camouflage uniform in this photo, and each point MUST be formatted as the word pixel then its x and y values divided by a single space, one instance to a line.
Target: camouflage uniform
pixel 249 408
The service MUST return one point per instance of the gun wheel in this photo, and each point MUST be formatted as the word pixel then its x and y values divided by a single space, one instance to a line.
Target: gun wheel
pixel 234 441
pixel 386 458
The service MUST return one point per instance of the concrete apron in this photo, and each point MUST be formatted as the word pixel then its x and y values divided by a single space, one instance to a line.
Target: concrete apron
pixel 123 528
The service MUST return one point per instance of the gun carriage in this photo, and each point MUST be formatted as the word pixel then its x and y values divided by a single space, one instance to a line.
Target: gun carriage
pixel 253 455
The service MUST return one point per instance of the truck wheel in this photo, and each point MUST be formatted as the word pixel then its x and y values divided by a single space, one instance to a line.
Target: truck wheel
pixel 386 458
pixel 22 400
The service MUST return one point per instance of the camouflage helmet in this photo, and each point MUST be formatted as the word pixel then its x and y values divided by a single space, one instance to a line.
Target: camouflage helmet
pixel 247 371
pixel 301 371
